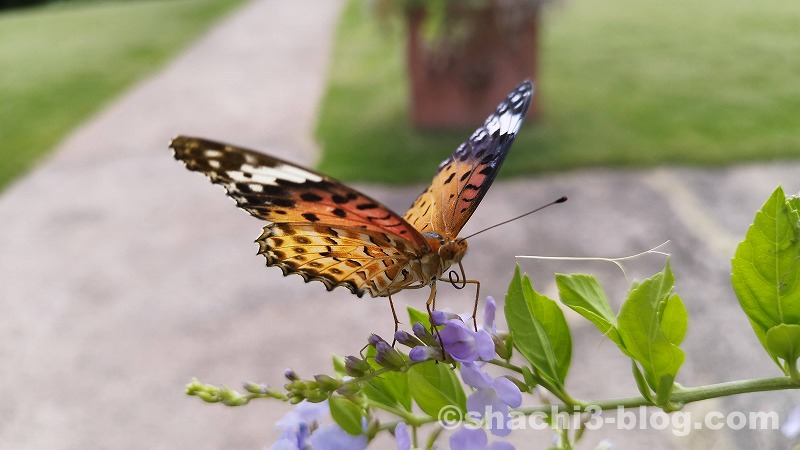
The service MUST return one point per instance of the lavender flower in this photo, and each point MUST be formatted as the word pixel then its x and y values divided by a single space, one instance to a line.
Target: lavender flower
pixel 475 439
pixel 333 437
pixel 402 436
pixel 489 310
pixel 491 395
pixel 465 345
pixel 458 340
pixel 292 440
pixel 297 424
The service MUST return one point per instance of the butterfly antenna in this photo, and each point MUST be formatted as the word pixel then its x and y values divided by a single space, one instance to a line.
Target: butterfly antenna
pixel 560 200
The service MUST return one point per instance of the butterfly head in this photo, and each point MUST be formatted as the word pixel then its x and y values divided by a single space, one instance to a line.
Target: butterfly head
pixel 448 251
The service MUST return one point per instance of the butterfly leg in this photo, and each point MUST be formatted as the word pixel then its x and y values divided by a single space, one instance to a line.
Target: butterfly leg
pixel 430 305
pixel 396 321
pixel 460 282
pixel 477 297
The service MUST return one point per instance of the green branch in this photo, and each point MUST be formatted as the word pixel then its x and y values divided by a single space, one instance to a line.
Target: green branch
pixel 680 395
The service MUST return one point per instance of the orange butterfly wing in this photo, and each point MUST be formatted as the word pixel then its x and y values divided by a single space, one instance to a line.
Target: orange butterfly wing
pixel 325 231
pixel 464 178
pixel 359 260
pixel 321 229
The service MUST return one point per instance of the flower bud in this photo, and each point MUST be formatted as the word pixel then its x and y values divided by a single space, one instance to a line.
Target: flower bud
pixel 356 367
pixel 374 340
pixel 231 397
pixel 194 387
pixel 255 388
pixel 424 353
pixel 503 351
pixel 315 396
pixel 328 383
pixel 388 357
pixel 208 397
pixel 423 334
pixel 349 389
pixel 291 375
pixel 407 339
pixel 373 428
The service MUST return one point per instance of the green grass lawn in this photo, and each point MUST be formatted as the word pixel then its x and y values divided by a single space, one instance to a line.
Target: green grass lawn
pixel 621 83
pixel 61 63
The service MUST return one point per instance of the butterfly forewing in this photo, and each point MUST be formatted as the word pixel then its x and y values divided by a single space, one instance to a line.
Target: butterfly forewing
pixel 464 178
pixel 281 192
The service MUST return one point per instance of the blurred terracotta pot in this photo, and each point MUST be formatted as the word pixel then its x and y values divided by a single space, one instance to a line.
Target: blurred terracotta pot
pixel 458 87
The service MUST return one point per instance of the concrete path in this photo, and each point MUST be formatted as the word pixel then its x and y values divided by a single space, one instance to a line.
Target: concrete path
pixel 123 275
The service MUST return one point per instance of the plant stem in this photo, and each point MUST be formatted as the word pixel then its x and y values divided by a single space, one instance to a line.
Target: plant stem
pixel 680 395
pixel 689 395
pixel 507 365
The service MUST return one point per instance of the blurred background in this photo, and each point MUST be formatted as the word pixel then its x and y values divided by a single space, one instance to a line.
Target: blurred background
pixel 122 275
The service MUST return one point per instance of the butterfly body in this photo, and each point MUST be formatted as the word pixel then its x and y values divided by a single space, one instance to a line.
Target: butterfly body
pixel 325 231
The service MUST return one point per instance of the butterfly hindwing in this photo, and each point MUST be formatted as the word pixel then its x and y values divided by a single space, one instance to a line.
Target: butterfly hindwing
pixel 464 178
pixel 359 260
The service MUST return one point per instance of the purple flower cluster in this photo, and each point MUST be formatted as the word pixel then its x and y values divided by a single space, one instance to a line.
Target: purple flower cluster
pixel 461 342
pixel 475 439
pixel 472 348
pixel 492 396
pixel 301 431
pixel 489 401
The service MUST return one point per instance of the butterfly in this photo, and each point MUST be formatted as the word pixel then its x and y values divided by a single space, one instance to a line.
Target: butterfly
pixel 325 231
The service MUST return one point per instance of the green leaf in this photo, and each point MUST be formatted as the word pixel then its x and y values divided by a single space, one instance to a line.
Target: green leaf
pixel 584 295
pixel 528 377
pixel 783 341
pixel 434 386
pixel 641 383
pixel 398 382
pixel 390 389
pixel 640 327
pixel 766 267
pixel 346 414
pixel 539 329
pixel 674 320
pixel 338 365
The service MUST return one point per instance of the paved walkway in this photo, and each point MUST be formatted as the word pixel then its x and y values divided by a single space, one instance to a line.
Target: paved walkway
pixel 123 275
